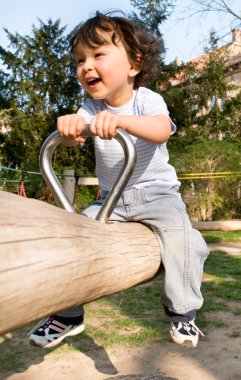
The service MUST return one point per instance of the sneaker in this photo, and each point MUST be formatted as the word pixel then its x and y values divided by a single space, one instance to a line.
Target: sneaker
pixel 185 333
pixel 49 332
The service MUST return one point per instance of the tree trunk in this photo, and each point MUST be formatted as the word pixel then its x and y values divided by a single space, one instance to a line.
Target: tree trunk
pixel 51 259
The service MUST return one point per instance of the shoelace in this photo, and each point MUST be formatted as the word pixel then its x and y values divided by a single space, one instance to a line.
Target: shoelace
pixel 47 323
pixel 43 322
pixel 187 327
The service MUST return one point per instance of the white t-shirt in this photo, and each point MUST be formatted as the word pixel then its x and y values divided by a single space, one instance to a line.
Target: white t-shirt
pixel 152 168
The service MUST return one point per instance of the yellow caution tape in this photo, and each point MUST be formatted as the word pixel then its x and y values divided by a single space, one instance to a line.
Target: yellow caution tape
pixel 209 175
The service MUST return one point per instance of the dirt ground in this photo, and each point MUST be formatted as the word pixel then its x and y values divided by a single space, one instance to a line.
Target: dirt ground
pixel 217 357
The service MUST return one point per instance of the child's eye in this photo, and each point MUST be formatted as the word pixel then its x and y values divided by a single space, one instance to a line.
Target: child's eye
pixel 79 60
pixel 98 54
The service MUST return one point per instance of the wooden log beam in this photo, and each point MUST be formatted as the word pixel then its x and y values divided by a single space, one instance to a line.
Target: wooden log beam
pixel 51 260
pixel 218 225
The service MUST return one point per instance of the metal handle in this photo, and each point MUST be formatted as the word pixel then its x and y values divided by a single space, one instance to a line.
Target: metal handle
pixel 45 162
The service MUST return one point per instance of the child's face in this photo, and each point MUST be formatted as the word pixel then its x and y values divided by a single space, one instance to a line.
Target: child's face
pixel 105 71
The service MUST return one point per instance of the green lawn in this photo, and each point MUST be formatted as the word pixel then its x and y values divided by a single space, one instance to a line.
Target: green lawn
pixel 222 236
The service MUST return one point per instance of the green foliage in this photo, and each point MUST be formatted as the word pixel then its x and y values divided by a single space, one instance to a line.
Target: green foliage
pixel 197 154
pixel 211 89
pixel 209 198
pixel 200 94
pixel 5 99
pixel 152 13
pixel 41 76
pixel 84 196
pixel 231 117
pixel 178 101
pixel 40 84
pixel 198 98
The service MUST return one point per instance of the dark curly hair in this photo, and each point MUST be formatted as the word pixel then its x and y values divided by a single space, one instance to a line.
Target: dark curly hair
pixel 143 49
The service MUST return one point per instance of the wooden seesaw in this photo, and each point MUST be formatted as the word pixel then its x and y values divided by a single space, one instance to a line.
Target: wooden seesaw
pixel 53 259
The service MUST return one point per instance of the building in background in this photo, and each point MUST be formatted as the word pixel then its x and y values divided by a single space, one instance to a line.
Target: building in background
pixel 232 56
pixel 233 53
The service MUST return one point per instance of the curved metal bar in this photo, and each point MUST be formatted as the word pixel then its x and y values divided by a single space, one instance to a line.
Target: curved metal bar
pixel 45 162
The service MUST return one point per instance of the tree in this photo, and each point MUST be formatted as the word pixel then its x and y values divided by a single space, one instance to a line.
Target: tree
pixel 5 99
pixel 201 108
pixel 210 197
pixel 41 77
pixel 39 85
pixel 232 117
pixel 152 13
pixel 228 11
pixel 177 97
pixel 199 92
pixel 204 7
pixel 211 90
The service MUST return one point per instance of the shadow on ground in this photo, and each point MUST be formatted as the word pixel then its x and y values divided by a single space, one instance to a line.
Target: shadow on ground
pixel 17 355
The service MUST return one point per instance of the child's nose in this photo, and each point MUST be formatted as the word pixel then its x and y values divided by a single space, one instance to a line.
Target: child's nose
pixel 88 65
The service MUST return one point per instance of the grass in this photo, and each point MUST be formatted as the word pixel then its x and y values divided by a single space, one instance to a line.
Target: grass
pixel 135 316
pixel 222 236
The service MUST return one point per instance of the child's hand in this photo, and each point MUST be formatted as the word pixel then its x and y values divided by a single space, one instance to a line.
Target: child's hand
pixel 71 126
pixel 104 125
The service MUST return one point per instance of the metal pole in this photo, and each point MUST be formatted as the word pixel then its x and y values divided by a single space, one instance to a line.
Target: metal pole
pixel 45 162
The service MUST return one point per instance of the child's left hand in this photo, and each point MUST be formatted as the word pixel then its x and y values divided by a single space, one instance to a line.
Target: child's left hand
pixel 104 125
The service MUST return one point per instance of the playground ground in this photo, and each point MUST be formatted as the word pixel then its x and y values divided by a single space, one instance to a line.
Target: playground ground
pixel 217 357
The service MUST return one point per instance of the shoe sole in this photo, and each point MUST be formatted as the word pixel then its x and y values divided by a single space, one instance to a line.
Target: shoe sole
pixel 55 342
pixel 188 343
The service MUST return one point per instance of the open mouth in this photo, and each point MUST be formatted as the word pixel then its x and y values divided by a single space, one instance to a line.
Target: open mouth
pixel 93 82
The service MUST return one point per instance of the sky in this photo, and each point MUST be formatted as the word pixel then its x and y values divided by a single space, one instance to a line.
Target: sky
pixel 184 39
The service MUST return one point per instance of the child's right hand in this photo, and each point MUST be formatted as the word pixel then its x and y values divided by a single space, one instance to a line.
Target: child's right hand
pixel 71 126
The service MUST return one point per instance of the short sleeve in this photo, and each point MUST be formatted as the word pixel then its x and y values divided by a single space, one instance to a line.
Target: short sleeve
pixel 153 104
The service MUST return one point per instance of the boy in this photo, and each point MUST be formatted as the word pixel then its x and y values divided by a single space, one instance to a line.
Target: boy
pixel 114 58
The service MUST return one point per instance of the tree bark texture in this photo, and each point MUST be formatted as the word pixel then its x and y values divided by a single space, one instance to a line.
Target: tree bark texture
pixel 51 260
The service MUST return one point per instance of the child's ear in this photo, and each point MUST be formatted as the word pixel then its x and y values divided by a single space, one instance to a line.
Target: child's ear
pixel 135 69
